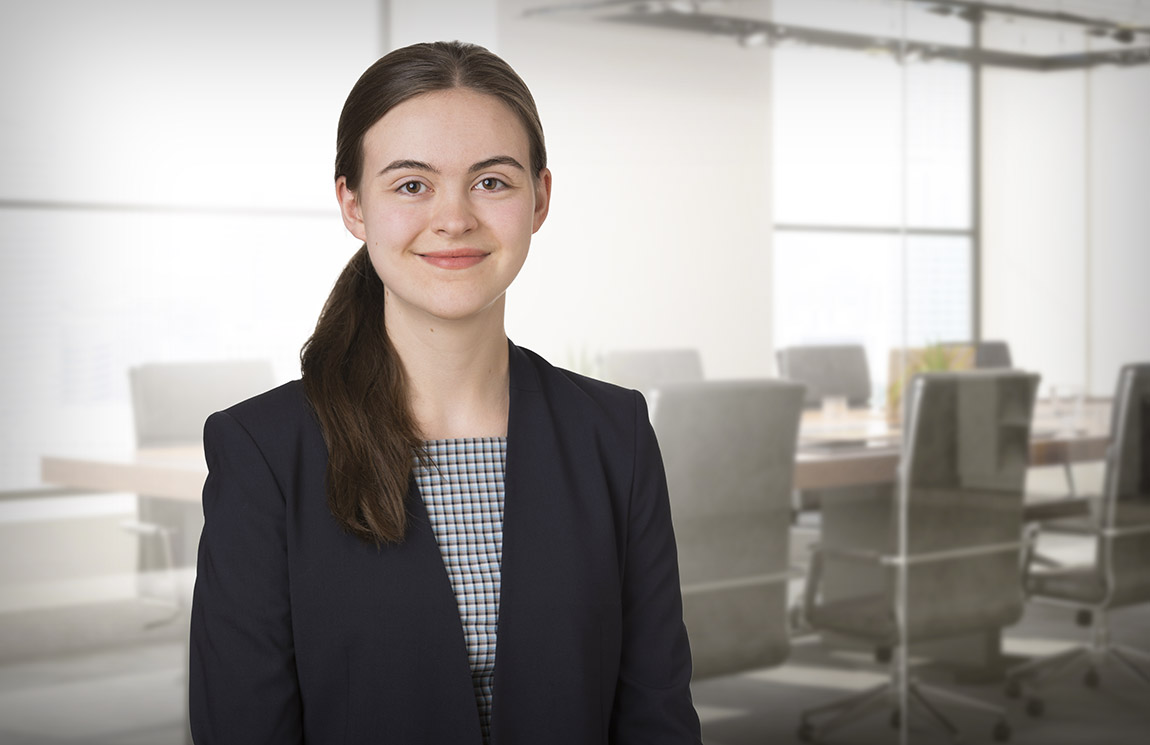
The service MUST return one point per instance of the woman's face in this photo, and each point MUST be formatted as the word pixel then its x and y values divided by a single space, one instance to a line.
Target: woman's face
pixel 447 204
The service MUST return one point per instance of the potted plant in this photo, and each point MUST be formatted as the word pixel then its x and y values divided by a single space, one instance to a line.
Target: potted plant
pixel 906 363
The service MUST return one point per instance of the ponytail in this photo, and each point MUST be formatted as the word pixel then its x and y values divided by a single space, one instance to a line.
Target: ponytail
pixel 355 382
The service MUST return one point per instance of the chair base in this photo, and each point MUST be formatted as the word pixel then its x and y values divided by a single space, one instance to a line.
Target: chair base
pixel 163 536
pixel 1030 678
pixel 853 708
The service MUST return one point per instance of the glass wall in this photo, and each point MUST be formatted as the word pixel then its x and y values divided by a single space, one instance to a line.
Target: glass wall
pixel 873 172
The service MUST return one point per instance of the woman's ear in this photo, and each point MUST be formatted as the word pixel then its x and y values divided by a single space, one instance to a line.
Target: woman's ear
pixel 349 208
pixel 542 198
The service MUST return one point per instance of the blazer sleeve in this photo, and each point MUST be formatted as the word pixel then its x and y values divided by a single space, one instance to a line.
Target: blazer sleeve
pixel 242 677
pixel 653 695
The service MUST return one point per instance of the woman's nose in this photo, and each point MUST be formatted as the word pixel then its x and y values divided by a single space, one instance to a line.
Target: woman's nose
pixel 454 215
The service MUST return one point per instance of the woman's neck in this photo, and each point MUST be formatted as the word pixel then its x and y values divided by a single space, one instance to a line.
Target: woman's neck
pixel 456 371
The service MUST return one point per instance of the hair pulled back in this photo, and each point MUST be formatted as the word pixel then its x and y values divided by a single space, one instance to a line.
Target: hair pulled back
pixel 351 373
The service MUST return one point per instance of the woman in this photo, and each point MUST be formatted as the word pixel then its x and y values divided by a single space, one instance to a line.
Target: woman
pixel 435 536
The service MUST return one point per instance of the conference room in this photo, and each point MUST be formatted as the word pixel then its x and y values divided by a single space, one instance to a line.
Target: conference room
pixel 877 266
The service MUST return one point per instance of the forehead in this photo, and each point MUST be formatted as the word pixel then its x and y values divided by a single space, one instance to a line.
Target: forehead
pixel 459 126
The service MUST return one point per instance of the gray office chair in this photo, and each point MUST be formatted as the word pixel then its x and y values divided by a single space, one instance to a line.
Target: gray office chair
pixel 988 355
pixel 992 355
pixel 951 555
pixel 170 402
pixel 729 452
pixel 1120 574
pixel 828 370
pixel 825 370
pixel 647 369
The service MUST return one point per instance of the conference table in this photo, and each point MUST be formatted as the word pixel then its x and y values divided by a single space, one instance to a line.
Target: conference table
pixel 855 448
pixel 859 447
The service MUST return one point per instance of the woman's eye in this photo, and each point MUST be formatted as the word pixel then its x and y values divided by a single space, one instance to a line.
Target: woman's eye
pixel 491 184
pixel 412 187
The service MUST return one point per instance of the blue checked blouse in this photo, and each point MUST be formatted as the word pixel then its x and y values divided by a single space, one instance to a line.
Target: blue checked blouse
pixel 462 487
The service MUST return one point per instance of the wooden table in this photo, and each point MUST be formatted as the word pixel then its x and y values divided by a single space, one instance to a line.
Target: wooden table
pixel 172 473
pixel 858 449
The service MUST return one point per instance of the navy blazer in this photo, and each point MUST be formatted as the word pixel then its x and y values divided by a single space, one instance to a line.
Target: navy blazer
pixel 303 633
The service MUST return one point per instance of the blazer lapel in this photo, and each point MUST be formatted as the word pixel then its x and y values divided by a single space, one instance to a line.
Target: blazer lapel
pixel 547 661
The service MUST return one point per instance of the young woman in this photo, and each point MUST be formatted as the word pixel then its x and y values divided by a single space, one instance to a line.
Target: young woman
pixel 435 536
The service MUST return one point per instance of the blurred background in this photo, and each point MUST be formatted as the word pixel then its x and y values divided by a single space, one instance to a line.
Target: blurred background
pixel 732 177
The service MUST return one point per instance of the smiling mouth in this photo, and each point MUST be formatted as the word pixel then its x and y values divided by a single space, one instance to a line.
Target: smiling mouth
pixel 455 259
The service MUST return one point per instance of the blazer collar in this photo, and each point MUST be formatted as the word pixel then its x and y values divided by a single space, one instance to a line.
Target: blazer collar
pixel 522 373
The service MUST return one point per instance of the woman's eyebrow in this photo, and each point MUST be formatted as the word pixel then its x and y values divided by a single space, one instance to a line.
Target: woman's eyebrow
pixel 498 160
pixel 419 165
pixel 415 165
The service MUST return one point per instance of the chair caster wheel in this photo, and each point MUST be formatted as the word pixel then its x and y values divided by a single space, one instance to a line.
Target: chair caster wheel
pixel 1090 679
pixel 1001 732
pixel 1035 707
pixel 882 654
pixel 1084 618
pixel 806 732
pixel 1013 688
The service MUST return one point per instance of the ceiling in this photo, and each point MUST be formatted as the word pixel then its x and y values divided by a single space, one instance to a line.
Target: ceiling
pixel 1121 12
pixel 1117 31
pixel 1126 12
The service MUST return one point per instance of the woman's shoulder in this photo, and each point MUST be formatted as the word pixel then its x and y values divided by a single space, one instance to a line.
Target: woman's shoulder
pixel 281 411
pixel 587 395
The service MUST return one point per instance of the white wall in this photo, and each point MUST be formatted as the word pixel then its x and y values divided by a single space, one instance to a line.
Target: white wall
pixel 414 21
pixel 1119 259
pixel 1034 222
pixel 659 227
pixel 1066 255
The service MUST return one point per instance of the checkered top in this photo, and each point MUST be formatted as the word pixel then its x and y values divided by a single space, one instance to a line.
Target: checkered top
pixel 462 487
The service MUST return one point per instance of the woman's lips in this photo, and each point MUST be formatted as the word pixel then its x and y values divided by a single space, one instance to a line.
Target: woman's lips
pixel 455 259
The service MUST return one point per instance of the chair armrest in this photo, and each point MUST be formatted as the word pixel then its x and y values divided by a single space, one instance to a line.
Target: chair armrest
pixel 836 552
pixel 740 582
pixel 1054 509
pixel 1125 531
pixel 930 557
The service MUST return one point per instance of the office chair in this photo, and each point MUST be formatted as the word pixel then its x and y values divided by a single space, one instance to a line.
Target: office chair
pixel 170 402
pixel 986 355
pixel 825 370
pixel 1119 525
pixel 992 355
pixel 828 370
pixel 646 369
pixel 951 553
pixel 729 452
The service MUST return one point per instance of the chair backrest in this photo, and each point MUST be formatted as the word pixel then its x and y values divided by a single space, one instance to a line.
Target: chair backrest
pixel 729 452
pixel 985 355
pixel 170 401
pixel 961 481
pixel 991 355
pixel 647 369
pixel 1124 547
pixel 828 370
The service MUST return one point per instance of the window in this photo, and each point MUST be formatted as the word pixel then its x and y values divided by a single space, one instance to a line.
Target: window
pixel 872 200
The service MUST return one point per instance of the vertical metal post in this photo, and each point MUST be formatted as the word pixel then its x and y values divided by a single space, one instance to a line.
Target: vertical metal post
pixel 976 183
pixel 1088 225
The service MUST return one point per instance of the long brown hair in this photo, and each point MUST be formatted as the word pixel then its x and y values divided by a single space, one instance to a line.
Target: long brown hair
pixel 351 373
